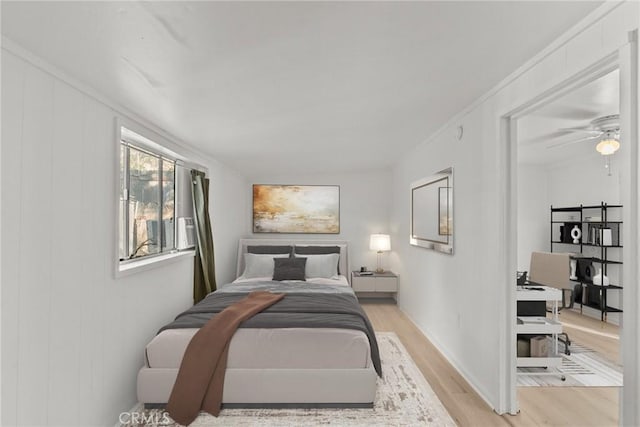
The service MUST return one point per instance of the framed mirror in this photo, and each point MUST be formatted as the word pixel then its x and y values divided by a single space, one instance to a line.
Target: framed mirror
pixel 431 223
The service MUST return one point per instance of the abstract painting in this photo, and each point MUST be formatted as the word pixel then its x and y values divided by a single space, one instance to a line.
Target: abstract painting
pixel 296 209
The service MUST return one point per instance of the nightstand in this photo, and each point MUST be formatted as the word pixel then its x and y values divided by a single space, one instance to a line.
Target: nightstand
pixel 376 283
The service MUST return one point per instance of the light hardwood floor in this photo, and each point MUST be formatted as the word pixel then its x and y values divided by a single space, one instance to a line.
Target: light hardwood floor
pixel 539 406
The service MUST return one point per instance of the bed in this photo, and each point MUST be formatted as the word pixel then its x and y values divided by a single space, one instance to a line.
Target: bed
pixel 304 362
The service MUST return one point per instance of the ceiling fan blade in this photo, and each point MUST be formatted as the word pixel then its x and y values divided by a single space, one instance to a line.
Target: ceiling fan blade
pixel 575 141
pixel 543 138
pixel 567 112
pixel 581 129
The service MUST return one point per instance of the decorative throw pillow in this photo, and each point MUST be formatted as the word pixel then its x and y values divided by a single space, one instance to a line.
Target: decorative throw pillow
pixel 325 266
pixel 289 268
pixel 256 265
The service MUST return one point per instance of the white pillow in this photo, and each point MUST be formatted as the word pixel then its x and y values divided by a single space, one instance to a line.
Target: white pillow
pixel 259 265
pixel 325 266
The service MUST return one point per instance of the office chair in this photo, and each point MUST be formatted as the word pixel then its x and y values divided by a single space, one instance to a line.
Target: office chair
pixel 553 270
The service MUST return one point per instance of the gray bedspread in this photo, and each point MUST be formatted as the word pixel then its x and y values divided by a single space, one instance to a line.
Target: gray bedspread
pixel 305 305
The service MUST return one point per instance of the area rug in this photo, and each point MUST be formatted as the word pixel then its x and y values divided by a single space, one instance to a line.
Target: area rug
pixel 583 368
pixel 403 398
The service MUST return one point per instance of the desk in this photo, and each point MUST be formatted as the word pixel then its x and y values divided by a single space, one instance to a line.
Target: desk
pixel 532 325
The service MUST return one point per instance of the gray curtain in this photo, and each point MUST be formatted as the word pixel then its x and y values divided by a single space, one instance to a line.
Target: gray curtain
pixel 204 278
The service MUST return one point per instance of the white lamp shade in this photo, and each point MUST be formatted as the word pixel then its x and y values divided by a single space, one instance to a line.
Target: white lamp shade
pixel 380 242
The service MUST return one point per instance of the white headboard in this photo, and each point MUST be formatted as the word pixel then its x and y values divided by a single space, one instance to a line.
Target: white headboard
pixel 343 264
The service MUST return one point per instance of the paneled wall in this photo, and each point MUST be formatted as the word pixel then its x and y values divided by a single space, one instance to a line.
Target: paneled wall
pixel 459 301
pixel 72 334
pixel 533 212
pixel 365 206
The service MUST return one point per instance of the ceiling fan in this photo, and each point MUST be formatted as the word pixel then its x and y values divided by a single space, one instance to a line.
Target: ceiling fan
pixel 606 129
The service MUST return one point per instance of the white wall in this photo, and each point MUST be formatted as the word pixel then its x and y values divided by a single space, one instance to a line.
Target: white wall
pixel 569 183
pixel 459 301
pixel 586 181
pixel 72 335
pixel 227 207
pixel 533 212
pixel 365 207
pixel 452 297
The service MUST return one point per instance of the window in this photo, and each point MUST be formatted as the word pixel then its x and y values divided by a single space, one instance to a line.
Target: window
pixel 150 198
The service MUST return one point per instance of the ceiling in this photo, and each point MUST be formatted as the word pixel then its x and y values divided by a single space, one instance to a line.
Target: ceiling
pixel 285 86
pixel 539 132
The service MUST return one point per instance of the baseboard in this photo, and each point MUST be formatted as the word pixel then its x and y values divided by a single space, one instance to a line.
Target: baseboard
pixel 470 379
pixel 613 318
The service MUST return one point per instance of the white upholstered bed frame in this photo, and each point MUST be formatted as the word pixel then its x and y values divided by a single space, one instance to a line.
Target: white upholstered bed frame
pixel 349 387
pixel 343 264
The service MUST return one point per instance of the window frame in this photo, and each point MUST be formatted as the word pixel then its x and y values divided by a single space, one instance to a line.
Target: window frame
pixel 160 146
pixel 162 159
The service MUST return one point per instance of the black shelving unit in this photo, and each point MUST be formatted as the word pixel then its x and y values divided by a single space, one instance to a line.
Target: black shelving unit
pixel 593 295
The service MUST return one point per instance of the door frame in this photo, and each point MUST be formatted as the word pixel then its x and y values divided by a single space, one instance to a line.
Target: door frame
pixel 626 60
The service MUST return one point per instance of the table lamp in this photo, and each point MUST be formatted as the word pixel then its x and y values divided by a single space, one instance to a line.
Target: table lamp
pixel 380 243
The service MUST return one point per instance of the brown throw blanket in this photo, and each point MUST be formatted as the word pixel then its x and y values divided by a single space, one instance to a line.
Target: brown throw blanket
pixel 201 375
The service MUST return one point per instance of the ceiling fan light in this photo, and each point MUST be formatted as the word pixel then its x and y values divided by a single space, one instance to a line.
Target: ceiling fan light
pixel 608 146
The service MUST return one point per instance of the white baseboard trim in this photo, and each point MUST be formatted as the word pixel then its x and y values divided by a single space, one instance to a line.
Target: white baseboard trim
pixel 613 318
pixel 470 379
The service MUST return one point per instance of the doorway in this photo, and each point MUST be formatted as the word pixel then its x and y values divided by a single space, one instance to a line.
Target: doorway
pixel 565 188
pixel 528 125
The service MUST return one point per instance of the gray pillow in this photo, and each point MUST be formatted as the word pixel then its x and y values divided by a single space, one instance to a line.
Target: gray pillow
pixel 289 268
pixel 266 249
pixel 318 250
